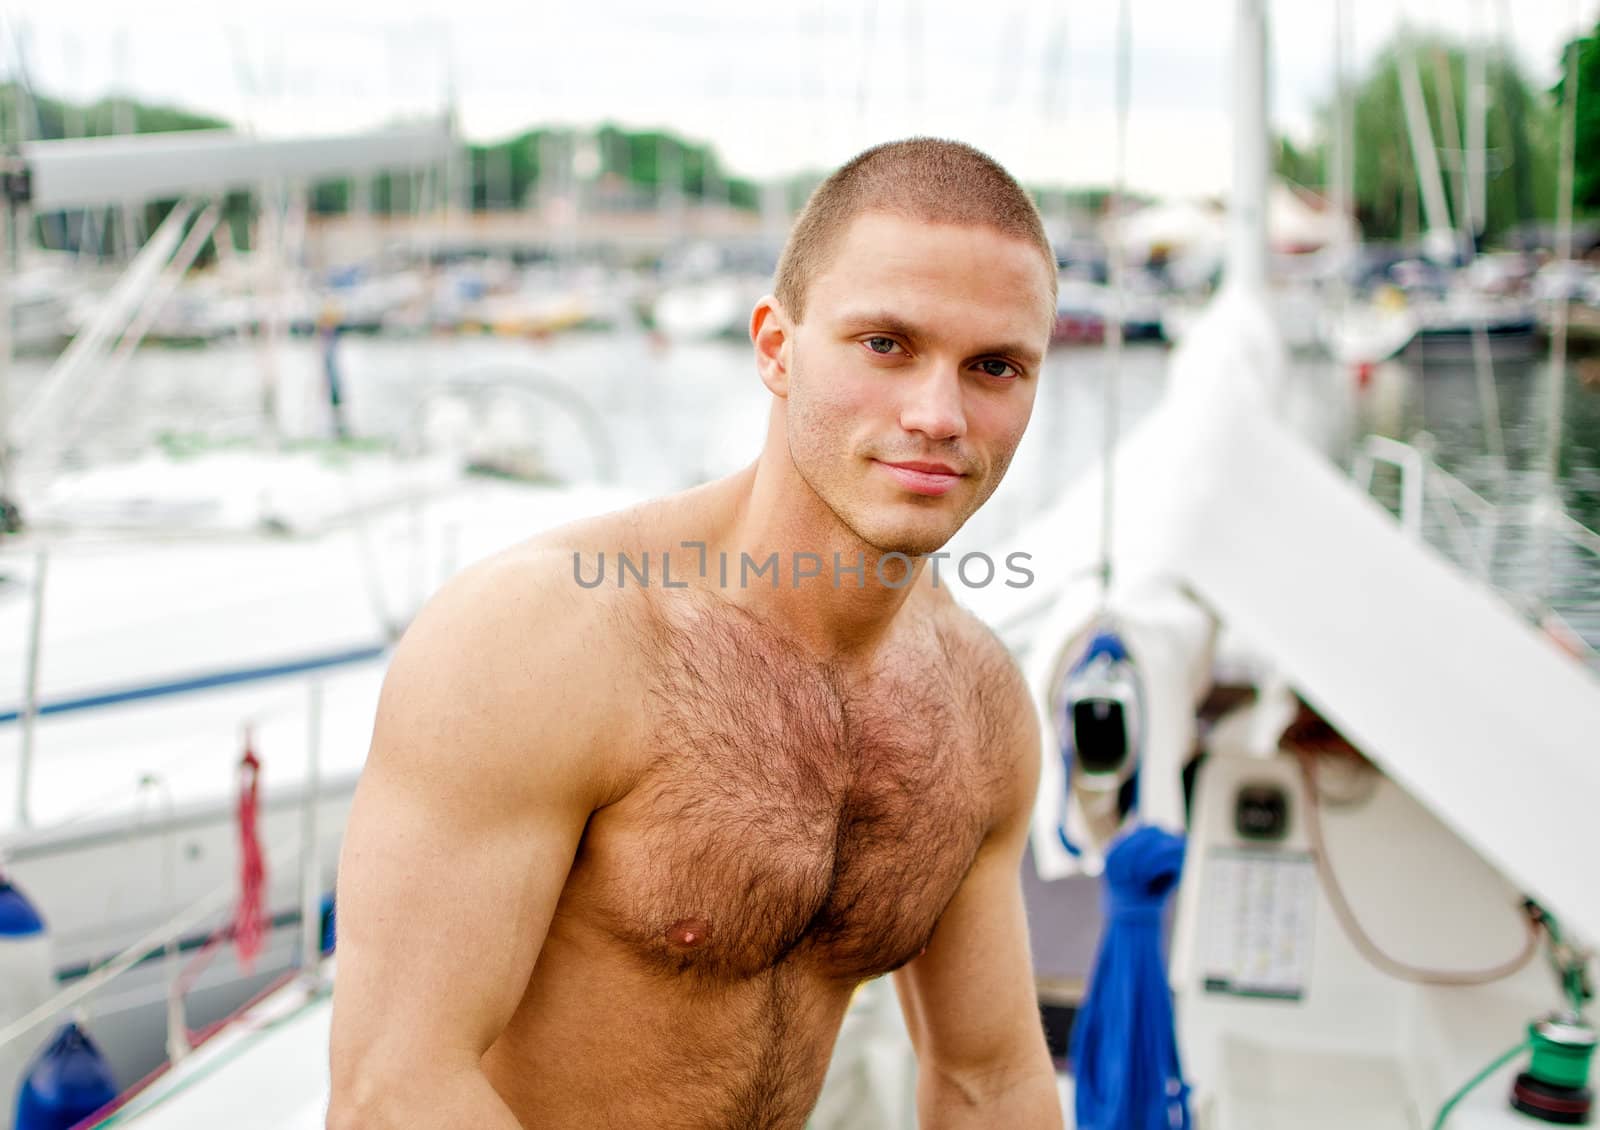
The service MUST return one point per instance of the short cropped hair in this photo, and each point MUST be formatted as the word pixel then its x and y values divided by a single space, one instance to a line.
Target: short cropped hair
pixel 922 178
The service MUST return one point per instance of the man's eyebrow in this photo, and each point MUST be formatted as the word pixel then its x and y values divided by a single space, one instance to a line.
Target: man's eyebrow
pixel 1027 354
pixel 878 320
pixel 893 323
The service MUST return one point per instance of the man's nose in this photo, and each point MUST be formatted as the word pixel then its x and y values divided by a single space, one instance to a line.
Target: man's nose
pixel 932 404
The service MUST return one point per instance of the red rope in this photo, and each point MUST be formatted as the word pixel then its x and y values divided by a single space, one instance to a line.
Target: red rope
pixel 249 920
pixel 248 924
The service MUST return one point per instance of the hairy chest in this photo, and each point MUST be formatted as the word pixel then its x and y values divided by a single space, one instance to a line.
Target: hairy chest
pixel 790 814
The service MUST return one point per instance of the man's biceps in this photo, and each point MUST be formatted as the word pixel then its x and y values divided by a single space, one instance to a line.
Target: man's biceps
pixel 995 876
pixel 468 934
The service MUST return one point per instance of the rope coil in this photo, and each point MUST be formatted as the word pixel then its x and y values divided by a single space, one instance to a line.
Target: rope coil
pixel 247 926
pixel 249 920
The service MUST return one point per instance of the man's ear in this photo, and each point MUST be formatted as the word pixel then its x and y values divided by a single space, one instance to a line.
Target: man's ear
pixel 773 337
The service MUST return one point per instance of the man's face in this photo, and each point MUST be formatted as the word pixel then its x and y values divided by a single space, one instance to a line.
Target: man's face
pixel 912 378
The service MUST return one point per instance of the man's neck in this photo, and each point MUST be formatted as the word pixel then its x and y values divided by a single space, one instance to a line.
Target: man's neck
pixel 838 595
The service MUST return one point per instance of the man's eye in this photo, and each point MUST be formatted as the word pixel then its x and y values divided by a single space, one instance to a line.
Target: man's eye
pixel 882 344
pixel 996 368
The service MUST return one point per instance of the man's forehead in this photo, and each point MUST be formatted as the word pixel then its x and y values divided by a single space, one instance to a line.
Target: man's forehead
pixel 898 264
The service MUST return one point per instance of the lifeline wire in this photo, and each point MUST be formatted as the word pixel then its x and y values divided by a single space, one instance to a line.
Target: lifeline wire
pixel 1558 329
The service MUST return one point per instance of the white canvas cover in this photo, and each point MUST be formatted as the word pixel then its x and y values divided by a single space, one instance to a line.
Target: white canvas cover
pixel 1486 721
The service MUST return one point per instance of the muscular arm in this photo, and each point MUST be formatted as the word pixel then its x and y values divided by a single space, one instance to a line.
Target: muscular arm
pixel 969 1000
pixel 476 791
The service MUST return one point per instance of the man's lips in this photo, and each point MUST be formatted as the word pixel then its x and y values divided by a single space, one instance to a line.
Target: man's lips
pixel 922 478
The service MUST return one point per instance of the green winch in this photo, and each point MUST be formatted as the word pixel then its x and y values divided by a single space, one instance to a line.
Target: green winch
pixel 1555 1088
pixel 1561 1046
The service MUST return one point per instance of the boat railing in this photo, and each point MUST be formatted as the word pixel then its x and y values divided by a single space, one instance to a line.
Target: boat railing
pixel 481 386
pixel 31 708
pixel 164 936
pixel 81 375
pixel 484 385
pixel 303 843
pixel 1508 547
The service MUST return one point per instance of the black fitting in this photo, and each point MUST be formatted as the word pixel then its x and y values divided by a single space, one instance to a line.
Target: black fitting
pixel 16 181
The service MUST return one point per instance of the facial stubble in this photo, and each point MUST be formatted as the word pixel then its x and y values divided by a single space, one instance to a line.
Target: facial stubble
pixel 820 442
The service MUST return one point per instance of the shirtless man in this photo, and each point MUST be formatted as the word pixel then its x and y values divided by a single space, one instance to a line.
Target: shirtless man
pixel 621 854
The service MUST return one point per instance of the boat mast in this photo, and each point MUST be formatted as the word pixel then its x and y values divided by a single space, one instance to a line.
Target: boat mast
pixel 1247 210
pixel 1116 253
pixel 1440 240
pixel 1444 89
pixel 6 175
pixel 1476 141
pixel 14 193
pixel 1470 211
pixel 1341 173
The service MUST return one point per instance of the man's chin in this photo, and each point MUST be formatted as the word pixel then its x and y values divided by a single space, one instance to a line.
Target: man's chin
pixel 914 527
pixel 912 541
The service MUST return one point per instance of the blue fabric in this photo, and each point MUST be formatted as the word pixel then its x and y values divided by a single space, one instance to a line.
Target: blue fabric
pixel 1105 642
pixel 1124 1048
pixel 67 1082
pixel 330 916
pixel 18 916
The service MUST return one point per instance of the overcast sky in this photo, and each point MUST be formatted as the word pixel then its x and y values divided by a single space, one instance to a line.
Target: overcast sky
pixel 774 87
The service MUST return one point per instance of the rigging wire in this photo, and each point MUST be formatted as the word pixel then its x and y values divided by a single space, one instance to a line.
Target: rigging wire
pixel 1053 87
pixel 1113 337
pixel 1558 328
pixel 1483 362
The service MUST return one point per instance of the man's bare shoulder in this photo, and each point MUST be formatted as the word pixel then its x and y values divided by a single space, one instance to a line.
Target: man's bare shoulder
pixel 521 603
pixel 515 666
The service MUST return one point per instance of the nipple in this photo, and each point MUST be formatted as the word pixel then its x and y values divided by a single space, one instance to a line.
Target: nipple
pixel 688 933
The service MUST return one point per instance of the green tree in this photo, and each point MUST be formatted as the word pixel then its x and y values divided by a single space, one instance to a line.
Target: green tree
pixel 46 118
pixel 1586 168
pixel 508 172
pixel 1304 167
pixel 1520 142
pixel 38 117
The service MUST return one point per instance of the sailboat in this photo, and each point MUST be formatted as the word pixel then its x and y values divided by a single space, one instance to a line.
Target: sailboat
pixel 165 616
pixel 1388 825
pixel 1453 324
